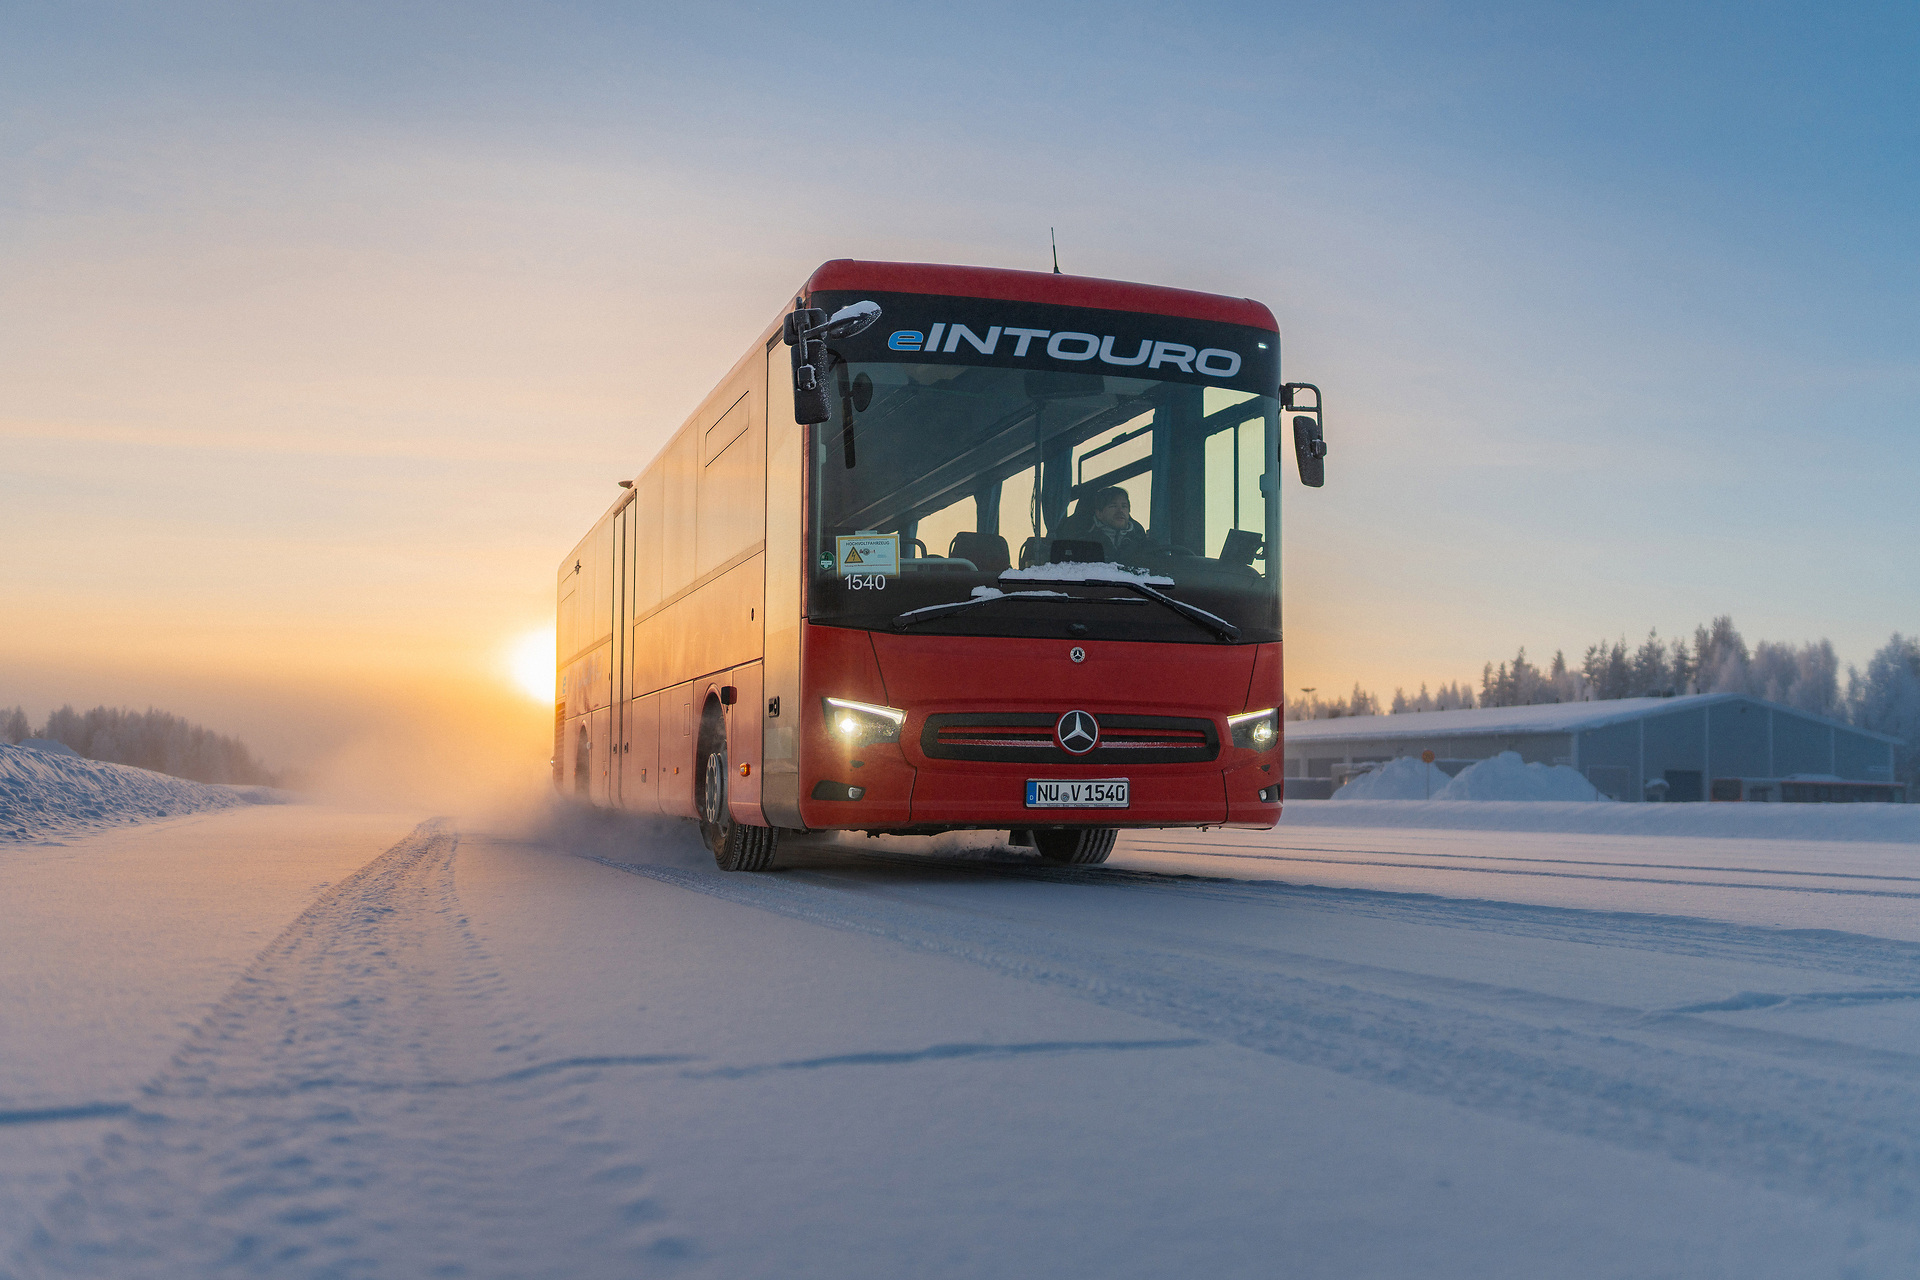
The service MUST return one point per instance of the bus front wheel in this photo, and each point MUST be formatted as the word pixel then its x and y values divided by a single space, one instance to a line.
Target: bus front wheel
pixel 1080 848
pixel 736 846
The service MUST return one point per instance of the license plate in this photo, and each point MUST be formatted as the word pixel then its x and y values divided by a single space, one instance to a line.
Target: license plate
pixel 1084 793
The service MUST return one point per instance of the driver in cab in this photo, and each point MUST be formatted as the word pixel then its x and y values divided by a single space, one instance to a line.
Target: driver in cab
pixel 1113 524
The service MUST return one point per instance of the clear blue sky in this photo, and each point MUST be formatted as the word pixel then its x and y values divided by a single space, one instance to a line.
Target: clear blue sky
pixel 336 321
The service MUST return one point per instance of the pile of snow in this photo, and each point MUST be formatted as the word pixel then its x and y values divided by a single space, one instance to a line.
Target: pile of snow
pixel 46 794
pixel 1504 777
pixel 1402 779
pixel 1507 777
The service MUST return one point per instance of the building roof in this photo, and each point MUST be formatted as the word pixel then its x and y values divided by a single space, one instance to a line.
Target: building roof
pixel 1544 717
pixel 1038 286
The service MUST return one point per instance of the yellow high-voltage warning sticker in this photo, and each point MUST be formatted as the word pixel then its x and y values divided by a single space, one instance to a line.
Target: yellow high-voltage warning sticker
pixel 868 553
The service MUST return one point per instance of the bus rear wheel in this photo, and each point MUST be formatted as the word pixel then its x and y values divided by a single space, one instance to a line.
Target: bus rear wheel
pixel 1080 848
pixel 736 846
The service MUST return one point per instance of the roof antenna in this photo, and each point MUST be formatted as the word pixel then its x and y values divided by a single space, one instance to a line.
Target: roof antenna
pixel 1056 250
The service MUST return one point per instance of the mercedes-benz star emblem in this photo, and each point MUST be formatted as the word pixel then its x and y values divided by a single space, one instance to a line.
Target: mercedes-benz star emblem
pixel 1078 732
pixel 1077 654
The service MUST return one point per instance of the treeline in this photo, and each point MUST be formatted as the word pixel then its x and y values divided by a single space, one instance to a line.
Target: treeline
pixel 150 739
pixel 1361 703
pixel 1885 697
pixel 1805 676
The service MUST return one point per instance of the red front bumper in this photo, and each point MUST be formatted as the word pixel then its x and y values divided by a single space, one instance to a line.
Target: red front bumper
pixel 901 786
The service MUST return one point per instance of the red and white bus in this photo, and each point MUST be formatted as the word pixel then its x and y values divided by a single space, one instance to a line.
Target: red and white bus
pixel 949 548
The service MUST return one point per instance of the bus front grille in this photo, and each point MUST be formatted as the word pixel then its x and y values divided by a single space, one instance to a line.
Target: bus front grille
pixel 1026 737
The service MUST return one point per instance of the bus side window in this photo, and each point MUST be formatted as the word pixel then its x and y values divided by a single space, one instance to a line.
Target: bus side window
pixel 681 465
pixel 732 506
pixel 649 491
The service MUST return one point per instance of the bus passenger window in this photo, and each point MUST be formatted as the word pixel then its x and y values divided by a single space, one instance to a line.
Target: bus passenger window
pixel 936 531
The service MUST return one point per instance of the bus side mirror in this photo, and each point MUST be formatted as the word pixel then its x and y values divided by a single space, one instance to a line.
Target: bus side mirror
pixel 1309 445
pixel 809 363
pixel 806 330
pixel 1311 451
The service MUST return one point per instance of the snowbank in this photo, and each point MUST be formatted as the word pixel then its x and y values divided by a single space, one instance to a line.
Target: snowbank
pixel 1507 777
pixel 44 794
pixel 1878 823
pixel 1402 779
pixel 1504 777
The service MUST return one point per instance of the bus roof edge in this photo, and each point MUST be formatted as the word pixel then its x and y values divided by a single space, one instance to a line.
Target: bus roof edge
pixel 855 275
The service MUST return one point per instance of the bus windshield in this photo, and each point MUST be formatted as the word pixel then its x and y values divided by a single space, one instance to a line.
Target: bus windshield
pixel 1046 498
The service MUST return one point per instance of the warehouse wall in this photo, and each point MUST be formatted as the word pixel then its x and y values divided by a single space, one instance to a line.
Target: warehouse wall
pixel 1737 741
pixel 1316 759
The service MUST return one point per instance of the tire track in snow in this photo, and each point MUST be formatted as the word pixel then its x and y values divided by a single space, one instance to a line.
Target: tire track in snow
pixel 1887 960
pixel 318 1122
pixel 1221 851
pixel 1537 873
pixel 1791 1112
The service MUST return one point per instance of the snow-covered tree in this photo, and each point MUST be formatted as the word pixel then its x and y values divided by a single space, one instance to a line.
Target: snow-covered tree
pixel 1566 685
pixel 1448 697
pixel 14 726
pixel 1312 707
pixel 1607 671
pixel 1802 676
pixel 155 740
pixel 1720 658
pixel 1521 684
pixel 1806 677
pixel 1652 671
pixel 1886 699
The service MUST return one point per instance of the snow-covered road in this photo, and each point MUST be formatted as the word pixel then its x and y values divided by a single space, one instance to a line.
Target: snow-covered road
pixel 575 1049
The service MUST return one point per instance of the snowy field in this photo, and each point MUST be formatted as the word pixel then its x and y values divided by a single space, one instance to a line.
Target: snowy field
pixel 1378 1041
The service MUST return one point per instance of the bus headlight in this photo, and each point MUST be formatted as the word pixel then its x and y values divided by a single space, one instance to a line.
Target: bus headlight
pixel 859 724
pixel 1256 730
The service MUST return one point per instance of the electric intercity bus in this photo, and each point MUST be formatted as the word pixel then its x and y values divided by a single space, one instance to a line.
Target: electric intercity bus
pixel 949 548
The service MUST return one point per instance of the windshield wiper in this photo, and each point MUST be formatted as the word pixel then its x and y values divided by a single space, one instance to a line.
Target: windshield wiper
pixel 912 616
pixel 1221 628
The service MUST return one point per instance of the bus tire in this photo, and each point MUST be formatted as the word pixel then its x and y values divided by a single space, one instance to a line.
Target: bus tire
pixel 748 848
pixel 736 846
pixel 1081 848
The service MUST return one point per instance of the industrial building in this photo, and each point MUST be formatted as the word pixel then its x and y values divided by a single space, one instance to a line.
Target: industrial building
pixel 1721 746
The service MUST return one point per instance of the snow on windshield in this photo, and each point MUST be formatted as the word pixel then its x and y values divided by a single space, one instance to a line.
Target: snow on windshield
pixel 1069 572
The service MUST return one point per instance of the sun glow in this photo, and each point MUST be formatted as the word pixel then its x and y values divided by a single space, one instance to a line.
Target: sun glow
pixel 531 662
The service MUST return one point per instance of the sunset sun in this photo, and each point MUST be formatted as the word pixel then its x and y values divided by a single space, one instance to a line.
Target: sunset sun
pixel 530 661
